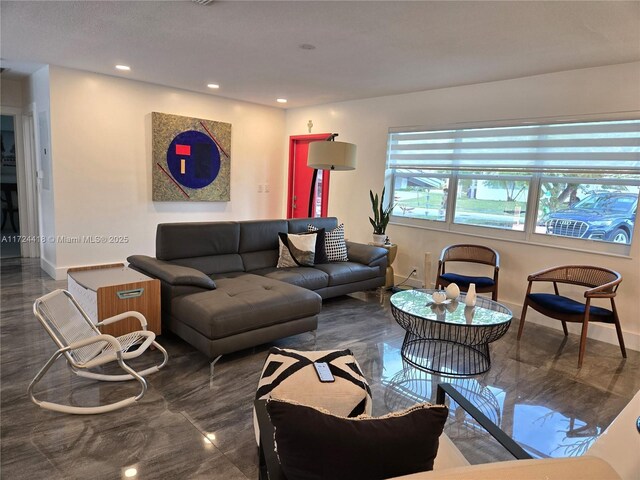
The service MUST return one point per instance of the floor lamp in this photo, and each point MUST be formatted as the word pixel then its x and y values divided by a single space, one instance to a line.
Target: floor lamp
pixel 329 155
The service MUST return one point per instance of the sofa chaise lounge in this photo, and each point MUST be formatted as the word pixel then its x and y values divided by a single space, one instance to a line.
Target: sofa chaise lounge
pixel 221 289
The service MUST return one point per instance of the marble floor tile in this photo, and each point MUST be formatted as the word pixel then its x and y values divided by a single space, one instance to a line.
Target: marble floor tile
pixel 192 426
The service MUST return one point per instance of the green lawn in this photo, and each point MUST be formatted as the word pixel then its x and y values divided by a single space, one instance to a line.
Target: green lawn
pixel 464 204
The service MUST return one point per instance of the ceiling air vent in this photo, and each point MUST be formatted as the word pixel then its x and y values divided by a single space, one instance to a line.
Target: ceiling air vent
pixel 203 2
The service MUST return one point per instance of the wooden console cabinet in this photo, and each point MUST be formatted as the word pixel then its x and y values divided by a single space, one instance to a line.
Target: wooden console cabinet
pixel 107 290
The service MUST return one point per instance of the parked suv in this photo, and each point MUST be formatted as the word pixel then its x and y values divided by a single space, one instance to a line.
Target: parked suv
pixel 604 216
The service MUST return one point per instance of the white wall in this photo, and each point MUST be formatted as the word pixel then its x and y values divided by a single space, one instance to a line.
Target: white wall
pixel 365 122
pixel 101 139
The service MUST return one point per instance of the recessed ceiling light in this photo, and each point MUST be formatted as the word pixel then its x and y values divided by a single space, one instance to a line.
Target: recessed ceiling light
pixel 213 85
pixel 124 68
pixel 281 100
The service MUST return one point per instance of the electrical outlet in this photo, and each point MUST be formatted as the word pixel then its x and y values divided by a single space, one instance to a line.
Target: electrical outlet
pixel 414 271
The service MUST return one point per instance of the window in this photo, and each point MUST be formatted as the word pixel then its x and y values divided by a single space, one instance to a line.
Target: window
pixel 587 209
pixel 545 183
pixel 495 201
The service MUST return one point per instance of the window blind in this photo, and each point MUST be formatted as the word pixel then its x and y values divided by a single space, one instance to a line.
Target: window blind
pixel 587 146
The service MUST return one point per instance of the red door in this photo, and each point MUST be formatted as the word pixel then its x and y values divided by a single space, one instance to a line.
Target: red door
pixel 300 177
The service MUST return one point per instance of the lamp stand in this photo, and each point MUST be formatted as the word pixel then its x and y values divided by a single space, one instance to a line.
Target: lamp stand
pixel 314 179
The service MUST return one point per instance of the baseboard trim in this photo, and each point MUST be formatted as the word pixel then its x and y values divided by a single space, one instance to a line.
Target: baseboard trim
pixel 597 331
pixel 49 268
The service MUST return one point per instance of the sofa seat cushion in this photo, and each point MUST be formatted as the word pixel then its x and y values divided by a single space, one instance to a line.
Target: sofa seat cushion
pixel 244 303
pixel 341 273
pixel 306 277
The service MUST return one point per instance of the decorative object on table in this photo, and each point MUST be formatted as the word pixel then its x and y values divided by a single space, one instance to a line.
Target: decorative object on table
pixel 468 313
pixel 476 254
pixel 290 374
pixel 328 155
pixel 85 347
pixel 381 216
pixel 452 291
pixel 470 297
pixel 602 283
pixel 448 344
pixel 191 159
pixel 438 296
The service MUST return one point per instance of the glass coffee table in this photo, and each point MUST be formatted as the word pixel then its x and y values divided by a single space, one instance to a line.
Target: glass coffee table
pixel 451 338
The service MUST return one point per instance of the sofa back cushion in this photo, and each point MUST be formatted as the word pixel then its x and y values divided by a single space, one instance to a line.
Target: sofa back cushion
pixel 211 247
pixel 259 243
pixel 299 225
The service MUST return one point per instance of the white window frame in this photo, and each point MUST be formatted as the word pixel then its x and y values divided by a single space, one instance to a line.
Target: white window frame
pixel 528 235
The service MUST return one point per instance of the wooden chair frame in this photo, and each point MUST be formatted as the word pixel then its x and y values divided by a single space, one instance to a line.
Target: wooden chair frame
pixel 471 254
pixel 602 283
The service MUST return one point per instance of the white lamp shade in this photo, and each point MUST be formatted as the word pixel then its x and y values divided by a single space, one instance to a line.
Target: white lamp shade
pixel 332 156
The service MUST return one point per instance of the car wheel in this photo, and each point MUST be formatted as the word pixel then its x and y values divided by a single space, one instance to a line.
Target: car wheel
pixel 620 236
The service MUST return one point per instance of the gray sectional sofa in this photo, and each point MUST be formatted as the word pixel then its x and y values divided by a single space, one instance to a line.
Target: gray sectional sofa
pixel 222 292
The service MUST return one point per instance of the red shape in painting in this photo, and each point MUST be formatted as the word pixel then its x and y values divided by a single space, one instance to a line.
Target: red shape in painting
pixel 183 149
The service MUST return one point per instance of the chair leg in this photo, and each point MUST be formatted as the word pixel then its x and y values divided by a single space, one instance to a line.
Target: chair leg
pixel 564 328
pixel 212 365
pixel 618 329
pixel 583 340
pixel 57 407
pixel 522 317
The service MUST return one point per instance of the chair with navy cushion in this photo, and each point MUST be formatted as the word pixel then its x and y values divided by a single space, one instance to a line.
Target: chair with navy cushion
pixel 601 283
pixel 469 254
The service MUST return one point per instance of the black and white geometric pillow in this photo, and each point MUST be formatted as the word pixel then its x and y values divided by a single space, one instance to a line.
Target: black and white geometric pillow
pixel 290 375
pixel 334 243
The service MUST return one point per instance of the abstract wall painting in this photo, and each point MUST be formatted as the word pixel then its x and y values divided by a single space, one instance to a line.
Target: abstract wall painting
pixel 191 159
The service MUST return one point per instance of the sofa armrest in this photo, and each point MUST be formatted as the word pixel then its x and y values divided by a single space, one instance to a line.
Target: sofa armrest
pixel 175 275
pixel 365 254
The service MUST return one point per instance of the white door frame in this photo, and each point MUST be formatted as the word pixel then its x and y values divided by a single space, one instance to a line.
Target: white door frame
pixel 30 192
pixel 26 180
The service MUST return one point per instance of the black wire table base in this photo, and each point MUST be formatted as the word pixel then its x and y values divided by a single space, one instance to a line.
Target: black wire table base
pixel 450 348
pixel 445 357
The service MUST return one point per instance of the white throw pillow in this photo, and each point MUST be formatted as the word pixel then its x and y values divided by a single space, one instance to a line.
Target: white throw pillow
pixel 296 249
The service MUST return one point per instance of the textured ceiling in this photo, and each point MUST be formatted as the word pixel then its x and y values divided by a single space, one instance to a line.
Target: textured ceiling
pixel 363 49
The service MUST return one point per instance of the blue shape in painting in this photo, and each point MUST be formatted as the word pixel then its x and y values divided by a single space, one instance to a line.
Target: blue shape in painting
pixel 201 159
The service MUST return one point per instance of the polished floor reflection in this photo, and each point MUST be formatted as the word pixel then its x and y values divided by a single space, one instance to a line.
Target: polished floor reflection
pixel 191 426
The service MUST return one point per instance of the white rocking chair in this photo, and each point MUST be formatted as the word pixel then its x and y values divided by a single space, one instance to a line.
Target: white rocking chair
pixel 84 347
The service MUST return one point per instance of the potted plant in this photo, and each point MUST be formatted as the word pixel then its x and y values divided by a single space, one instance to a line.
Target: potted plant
pixel 380 218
